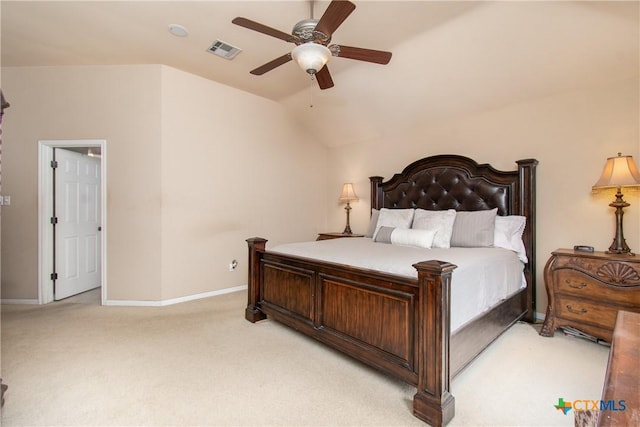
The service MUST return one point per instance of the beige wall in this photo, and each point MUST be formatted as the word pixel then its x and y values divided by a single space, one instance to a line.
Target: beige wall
pixel 233 166
pixel 185 160
pixel 571 134
pixel 119 104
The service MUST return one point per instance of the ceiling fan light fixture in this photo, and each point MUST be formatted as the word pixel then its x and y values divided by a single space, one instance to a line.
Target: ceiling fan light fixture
pixel 311 57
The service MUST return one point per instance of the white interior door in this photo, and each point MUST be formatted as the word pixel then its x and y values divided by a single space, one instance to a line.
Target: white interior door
pixel 77 225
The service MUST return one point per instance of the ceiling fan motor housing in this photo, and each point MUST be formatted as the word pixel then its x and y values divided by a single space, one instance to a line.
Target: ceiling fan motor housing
pixel 305 32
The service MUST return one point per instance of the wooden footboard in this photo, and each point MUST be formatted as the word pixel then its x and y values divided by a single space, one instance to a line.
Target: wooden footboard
pixel 395 324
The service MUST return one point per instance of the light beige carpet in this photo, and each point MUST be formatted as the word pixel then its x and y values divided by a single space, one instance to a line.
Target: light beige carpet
pixel 75 363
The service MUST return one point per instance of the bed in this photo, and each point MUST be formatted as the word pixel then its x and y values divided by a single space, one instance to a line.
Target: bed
pixel 397 323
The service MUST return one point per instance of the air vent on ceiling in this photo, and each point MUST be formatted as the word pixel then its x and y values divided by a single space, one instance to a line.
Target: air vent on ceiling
pixel 224 49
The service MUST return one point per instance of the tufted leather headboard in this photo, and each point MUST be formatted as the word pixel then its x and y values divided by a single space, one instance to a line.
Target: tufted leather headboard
pixel 450 181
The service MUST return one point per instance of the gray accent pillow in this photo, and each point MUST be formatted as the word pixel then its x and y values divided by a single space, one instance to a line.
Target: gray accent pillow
pixel 384 234
pixel 474 229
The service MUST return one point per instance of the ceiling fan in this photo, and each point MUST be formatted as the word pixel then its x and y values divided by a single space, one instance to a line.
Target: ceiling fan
pixel 312 37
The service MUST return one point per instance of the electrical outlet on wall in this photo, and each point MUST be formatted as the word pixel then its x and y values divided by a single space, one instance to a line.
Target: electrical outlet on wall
pixel 233 265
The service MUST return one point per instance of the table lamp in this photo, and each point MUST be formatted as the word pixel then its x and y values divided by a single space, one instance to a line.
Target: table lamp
pixel 347 195
pixel 619 172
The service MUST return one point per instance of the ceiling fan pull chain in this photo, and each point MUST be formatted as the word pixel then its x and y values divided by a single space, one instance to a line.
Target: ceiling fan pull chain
pixel 311 92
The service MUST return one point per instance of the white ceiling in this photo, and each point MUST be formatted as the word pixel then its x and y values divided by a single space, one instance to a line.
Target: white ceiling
pixel 449 58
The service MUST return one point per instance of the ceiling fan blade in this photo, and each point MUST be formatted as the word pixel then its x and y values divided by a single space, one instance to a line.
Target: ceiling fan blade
pixel 255 26
pixel 360 54
pixel 324 78
pixel 271 64
pixel 336 13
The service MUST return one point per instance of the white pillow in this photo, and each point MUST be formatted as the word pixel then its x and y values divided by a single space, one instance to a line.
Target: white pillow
pixel 396 218
pixel 413 237
pixel 405 236
pixel 372 223
pixel 508 234
pixel 439 221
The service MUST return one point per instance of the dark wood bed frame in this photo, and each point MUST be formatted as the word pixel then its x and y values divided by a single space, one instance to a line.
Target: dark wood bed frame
pixel 398 325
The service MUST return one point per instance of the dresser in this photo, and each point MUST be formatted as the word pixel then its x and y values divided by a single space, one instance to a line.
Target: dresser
pixel 587 289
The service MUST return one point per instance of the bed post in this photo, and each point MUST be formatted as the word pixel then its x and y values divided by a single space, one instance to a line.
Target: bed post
pixel 433 403
pixel 376 192
pixel 252 312
pixel 527 202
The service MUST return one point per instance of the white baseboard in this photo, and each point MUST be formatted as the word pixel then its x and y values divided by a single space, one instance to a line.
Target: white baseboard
pixel 540 316
pixel 162 303
pixel 19 301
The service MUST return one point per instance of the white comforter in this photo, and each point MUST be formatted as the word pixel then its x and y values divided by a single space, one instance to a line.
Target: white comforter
pixel 483 277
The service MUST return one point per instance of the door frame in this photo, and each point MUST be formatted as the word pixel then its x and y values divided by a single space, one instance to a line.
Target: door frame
pixel 45 208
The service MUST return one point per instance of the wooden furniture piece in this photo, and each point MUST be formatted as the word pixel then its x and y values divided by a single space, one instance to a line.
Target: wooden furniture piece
pixel 621 392
pixel 327 236
pixel 586 290
pixel 400 325
pixel 3 389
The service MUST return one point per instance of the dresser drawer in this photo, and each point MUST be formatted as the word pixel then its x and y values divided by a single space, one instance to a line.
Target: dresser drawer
pixel 581 285
pixel 613 271
pixel 595 313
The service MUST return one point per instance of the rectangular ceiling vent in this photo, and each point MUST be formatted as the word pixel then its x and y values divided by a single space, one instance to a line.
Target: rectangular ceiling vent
pixel 224 49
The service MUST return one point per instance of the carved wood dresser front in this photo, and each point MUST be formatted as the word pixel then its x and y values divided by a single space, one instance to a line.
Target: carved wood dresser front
pixel 587 289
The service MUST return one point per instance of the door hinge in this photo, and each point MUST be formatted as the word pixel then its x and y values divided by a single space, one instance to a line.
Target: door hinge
pixel 54 220
pixel 54 164
pixel 54 276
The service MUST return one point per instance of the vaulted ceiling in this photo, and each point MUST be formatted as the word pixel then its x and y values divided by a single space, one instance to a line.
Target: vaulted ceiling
pixel 449 58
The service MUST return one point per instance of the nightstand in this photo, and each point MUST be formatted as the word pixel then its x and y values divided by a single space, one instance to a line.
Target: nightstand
pixel 327 236
pixel 586 290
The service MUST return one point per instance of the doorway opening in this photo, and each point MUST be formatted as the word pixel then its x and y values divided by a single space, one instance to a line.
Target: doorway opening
pixel 46 208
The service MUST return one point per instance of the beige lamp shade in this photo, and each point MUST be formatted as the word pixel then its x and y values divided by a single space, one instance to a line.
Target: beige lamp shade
pixel 348 194
pixel 619 171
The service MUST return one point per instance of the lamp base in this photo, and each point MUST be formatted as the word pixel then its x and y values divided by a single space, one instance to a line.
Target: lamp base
pixel 619 252
pixel 347 229
pixel 619 245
